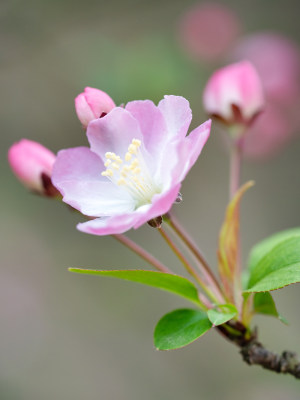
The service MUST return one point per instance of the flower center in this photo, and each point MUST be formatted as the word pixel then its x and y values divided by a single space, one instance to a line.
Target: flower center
pixel 131 173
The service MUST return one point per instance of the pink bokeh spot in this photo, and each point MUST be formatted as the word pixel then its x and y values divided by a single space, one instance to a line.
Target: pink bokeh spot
pixel 133 171
pixel 208 30
pixel 268 135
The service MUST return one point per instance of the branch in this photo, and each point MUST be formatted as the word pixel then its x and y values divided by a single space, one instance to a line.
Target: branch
pixel 254 353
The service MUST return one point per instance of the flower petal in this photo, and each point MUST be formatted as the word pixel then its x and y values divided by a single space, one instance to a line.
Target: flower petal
pixel 152 123
pixel 161 204
pixel 113 133
pixel 182 155
pixel 177 114
pixel 190 149
pixel 77 175
pixel 121 223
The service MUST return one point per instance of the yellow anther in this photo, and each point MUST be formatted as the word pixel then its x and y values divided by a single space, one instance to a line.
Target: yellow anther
pixel 134 163
pixel 136 142
pixel 108 172
pixel 132 148
pixel 137 170
pixel 115 165
pixel 128 156
pixel 121 181
pixel 119 160
pixel 107 163
pixel 109 154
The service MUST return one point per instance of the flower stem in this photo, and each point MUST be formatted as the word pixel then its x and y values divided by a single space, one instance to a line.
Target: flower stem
pixel 186 264
pixel 130 244
pixel 202 263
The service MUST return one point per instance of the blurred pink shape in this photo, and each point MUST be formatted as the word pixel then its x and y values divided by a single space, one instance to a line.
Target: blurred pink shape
pixel 208 30
pixel 92 104
pixel 277 60
pixel 269 133
pixel 234 94
pixel 32 164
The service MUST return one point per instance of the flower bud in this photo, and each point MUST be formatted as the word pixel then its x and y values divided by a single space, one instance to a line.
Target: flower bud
pixel 92 104
pixel 32 164
pixel 234 94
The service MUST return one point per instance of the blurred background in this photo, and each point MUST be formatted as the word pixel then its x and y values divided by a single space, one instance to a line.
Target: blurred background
pixel 66 336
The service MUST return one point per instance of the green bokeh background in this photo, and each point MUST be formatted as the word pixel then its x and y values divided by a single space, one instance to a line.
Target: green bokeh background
pixel 65 336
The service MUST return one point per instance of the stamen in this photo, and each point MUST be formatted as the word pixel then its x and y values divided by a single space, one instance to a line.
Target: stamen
pixel 115 165
pixel 133 176
pixel 108 172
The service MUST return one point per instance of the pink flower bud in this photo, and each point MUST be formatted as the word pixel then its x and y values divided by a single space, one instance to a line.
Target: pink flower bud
pixel 234 94
pixel 92 104
pixel 32 164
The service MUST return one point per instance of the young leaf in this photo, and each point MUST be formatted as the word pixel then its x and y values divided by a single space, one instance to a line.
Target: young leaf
pixel 221 314
pixel 277 268
pixel 229 244
pixel 172 283
pixel 180 328
pixel 263 303
pixel 263 247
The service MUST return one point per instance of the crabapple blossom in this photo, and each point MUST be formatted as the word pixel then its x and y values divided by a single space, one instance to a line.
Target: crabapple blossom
pixel 234 94
pixel 91 104
pixel 133 170
pixel 32 164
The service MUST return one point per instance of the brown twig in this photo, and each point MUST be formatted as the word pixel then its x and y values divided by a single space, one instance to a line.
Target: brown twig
pixel 254 353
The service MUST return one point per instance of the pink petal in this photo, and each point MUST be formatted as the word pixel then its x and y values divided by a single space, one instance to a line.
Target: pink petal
pixel 99 101
pixel 182 155
pixel 161 204
pixel 83 110
pixel 152 123
pixel 113 133
pixel 29 160
pixel 109 225
pixel 77 175
pixel 236 84
pixel 122 223
pixel 177 114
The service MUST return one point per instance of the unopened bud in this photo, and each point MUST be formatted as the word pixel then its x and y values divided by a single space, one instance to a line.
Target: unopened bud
pixel 92 104
pixel 32 164
pixel 234 94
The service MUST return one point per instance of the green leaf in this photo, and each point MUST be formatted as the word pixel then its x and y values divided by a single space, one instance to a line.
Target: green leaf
pixel 221 314
pixel 171 283
pixel 180 328
pixel 263 303
pixel 266 245
pixel 279 267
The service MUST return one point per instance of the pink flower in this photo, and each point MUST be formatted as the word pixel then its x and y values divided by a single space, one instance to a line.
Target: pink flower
pixel 92 104
pixel 32 164
pixel 133 171
pixel 234 94
pixel 208 30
